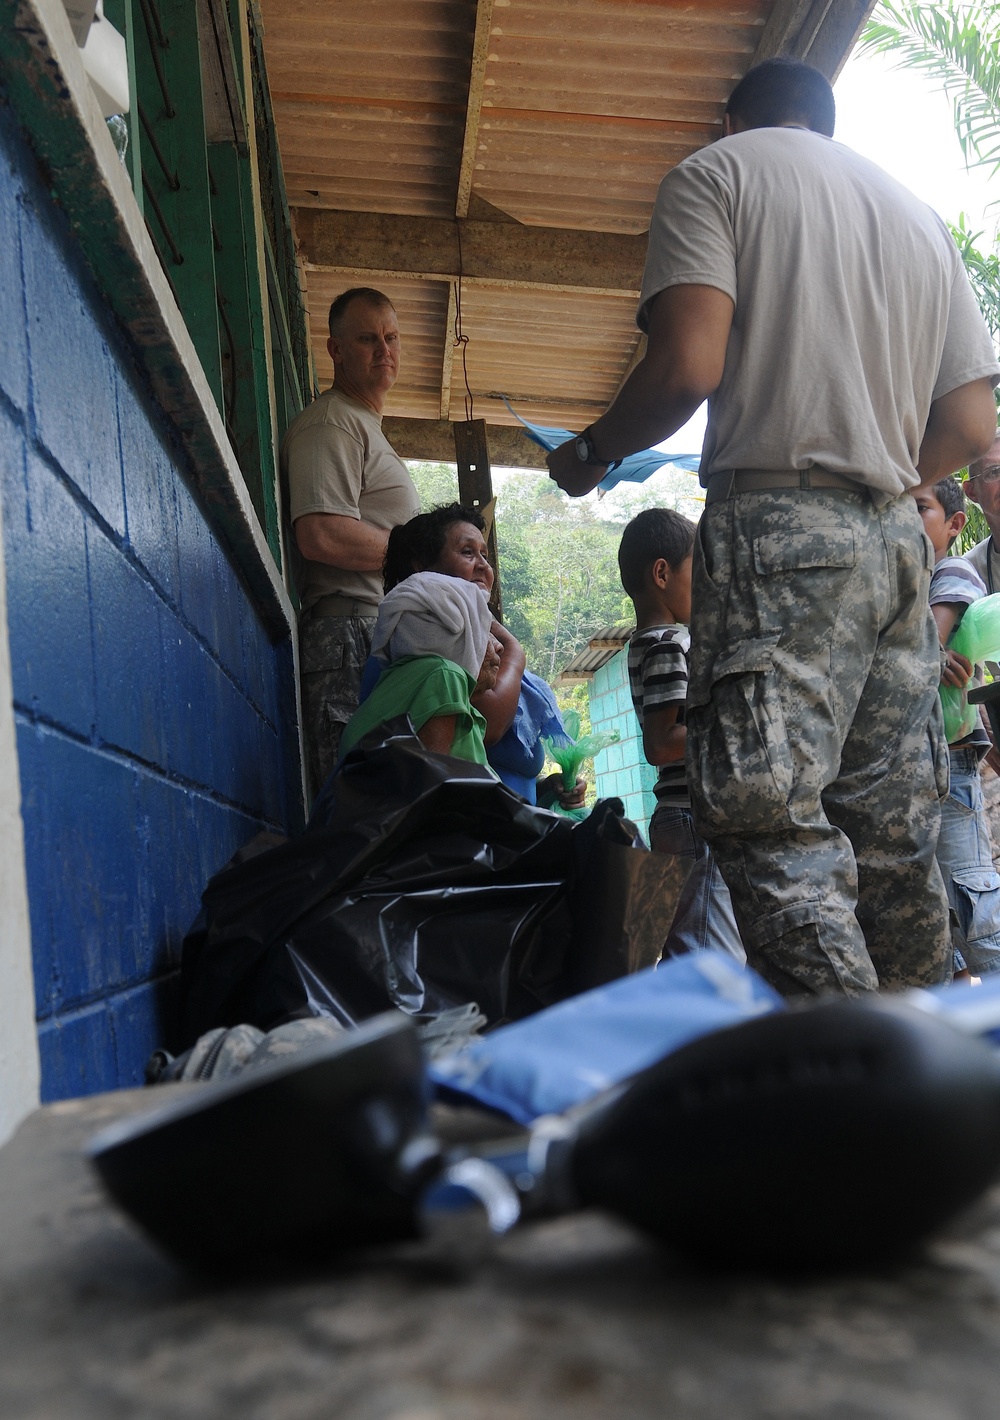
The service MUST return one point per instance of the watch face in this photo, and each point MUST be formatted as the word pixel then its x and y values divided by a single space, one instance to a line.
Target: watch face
pixel 582 448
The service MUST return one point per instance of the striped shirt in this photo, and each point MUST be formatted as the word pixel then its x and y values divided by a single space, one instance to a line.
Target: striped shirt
pixel 658 677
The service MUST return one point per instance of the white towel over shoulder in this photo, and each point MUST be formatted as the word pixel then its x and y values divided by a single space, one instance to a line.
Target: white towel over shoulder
pixel 430 614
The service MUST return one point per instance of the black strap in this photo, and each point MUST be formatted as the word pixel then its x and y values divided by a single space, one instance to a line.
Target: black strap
pixel 989 566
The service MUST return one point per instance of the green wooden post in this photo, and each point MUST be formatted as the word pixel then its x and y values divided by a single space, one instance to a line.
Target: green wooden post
pixel 175 176
pixel 122 16
pixel 245 313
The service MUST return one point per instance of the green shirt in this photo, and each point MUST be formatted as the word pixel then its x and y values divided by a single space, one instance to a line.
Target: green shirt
pixel 422 687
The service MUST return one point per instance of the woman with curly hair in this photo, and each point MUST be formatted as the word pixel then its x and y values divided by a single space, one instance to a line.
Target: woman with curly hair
pixel 520 708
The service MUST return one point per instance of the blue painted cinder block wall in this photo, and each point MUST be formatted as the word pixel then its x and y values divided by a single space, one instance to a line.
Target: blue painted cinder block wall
pixel 155 717
pixel 621 771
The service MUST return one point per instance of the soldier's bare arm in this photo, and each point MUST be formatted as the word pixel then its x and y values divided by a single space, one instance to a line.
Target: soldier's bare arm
pixel 685 355
pixel 350 543
pixel 961 427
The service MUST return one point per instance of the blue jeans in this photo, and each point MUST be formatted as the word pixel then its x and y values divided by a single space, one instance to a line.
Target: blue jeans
pixel 703 918
pixel 965 856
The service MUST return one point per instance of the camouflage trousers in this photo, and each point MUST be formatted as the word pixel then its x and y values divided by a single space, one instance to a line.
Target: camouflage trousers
pixel 332 655
pixel 815 749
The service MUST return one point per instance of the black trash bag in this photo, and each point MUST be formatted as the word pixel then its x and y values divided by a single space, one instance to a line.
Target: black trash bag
pixel 421 883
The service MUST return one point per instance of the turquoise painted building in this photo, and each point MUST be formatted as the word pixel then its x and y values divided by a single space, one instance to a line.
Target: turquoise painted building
pixel 622 771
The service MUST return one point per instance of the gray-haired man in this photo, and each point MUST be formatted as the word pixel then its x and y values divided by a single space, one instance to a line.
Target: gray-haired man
pixel 346 489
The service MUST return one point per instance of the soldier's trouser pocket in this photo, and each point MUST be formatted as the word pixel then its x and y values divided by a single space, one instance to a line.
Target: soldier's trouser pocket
pixel 739 762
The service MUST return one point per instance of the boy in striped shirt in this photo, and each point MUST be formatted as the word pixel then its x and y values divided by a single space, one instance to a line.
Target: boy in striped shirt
pixel 964 851
pixel 654 560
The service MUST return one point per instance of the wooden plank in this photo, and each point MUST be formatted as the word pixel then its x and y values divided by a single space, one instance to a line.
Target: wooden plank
pixel 448 354
pixel 496 252
pixel 838 35
pixel 477 81
pixel 820 32
pixel 433 439
pixel 475 490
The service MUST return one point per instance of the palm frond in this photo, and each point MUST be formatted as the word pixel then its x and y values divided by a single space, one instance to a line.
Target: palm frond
pixel 983 270
pixel 958 47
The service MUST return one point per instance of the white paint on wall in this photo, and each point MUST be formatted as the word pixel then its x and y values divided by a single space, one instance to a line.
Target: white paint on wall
pixel 19 1067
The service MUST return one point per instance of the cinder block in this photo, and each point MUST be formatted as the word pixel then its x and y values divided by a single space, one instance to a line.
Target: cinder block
pixel 190 732
pixel 14 344
pixel 77 1054
pixel 34 818
pixel 141 1022
pixel 48 600
pixel 127 634
pixel 238 751
pixel 258 661
pixel 73 392
pixel 228 644
pixel 199 599
pixel 89 871
pixel 150 504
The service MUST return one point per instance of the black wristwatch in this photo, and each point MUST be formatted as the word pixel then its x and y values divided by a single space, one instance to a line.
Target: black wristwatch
pixel 585 450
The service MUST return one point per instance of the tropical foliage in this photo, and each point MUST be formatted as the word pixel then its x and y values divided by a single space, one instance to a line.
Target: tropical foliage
pixel 559 556
pixel 957 46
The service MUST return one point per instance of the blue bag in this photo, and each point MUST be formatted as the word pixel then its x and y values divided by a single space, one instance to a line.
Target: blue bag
pixel 574 1050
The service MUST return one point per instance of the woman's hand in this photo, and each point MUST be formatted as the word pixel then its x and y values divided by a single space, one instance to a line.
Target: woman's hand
pixel 572 798
pixel 498 705
pixel 490 668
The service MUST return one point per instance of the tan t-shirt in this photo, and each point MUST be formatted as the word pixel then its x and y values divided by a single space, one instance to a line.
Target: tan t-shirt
pixel 853 310
pixel 336 459
pixel 985 558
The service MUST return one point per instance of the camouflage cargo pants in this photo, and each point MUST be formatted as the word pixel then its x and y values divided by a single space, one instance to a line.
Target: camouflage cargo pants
pixel 332 655
pixel 816 754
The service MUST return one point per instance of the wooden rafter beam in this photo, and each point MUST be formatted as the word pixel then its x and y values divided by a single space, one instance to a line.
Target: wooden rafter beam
pixel 504 253
pixel 434 439
pixel 821 32
pixel 474 107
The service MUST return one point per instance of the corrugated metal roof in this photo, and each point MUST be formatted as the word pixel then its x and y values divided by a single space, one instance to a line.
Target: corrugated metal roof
pixel 553 117
pixel 597 653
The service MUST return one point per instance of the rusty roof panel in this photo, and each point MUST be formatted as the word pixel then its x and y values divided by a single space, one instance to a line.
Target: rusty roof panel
pixel 370 100
pixel 559 114
pixel 557 356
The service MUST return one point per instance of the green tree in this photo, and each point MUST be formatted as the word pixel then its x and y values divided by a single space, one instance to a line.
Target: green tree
pixel 435 483
pixel 957 45
pixel 562 572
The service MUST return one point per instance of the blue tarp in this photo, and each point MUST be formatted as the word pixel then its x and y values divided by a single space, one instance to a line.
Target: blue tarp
pixel 635 469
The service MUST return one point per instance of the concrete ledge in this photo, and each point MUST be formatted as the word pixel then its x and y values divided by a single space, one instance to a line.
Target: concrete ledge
pixel 578 1319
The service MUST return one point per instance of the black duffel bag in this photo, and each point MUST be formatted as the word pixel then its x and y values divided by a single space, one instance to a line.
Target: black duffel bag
pixel 421 883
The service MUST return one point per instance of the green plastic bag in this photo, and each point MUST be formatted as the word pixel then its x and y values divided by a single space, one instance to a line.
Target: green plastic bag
pixel 977 636
pixel 570 756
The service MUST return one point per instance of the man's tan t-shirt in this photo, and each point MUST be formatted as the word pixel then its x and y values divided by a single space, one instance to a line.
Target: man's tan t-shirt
pixel 337 460
pixel 853 310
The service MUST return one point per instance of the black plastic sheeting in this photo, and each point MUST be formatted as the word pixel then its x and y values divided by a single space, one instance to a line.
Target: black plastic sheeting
pixel 421 883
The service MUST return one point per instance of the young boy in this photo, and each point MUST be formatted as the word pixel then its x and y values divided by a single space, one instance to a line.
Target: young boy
pixel 964 852
pixel 654 560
